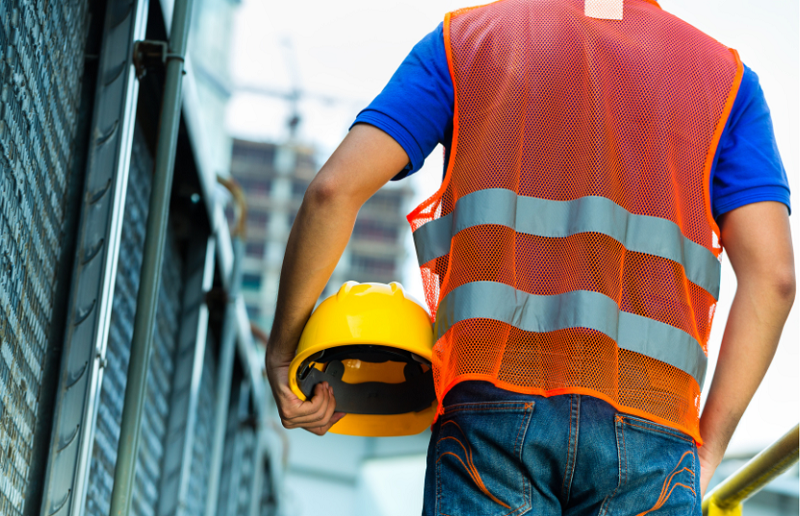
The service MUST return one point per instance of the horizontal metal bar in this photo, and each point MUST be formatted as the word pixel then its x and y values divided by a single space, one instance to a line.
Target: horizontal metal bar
pixel 726 498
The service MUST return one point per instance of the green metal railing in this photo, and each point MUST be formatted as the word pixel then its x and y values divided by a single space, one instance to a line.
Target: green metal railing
pixel 726 499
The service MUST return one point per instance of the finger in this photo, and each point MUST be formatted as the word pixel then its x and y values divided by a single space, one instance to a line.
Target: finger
pixel 323 392
pixel 307 414
pixel 311 412
pixel 312 404
pixel 331 407
pixel 322 430
pixel 326 420
pixel 300 407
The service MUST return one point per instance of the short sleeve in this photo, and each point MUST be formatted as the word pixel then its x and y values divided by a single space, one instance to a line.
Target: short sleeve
pixel 416 106
pixel 748 166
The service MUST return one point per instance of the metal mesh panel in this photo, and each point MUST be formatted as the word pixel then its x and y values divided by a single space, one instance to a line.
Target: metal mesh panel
pixel 238 456
pixel 41 65
pixel 229 474
pixel 159 381
pixel 247 466
pixel 204 436
pixel 266 496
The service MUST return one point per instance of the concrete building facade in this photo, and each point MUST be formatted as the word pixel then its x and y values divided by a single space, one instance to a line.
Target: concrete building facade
pixel 274 179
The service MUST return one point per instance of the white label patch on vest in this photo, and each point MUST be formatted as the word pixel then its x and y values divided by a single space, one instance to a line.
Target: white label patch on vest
pixel 604 9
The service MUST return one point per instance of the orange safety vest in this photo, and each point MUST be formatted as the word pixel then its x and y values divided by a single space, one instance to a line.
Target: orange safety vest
pixel 571 247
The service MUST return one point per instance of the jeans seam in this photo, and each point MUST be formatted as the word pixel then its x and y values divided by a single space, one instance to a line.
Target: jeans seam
pixel 654 429
pixel 484 406
pixel 569 451
pixel 572 453
pixel 621 450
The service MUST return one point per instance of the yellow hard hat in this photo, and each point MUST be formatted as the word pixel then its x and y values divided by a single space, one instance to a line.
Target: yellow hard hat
pixel 372 344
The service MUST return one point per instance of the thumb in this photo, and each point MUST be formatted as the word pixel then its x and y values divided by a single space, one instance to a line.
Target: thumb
pixel 322 430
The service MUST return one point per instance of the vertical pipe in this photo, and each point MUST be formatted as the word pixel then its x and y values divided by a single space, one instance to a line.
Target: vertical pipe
pixel 258 471
pixel 147 300
pixel 223 395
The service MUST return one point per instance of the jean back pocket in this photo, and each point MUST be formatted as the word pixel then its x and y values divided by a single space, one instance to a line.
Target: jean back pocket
pixel 478 452
pixel 659 470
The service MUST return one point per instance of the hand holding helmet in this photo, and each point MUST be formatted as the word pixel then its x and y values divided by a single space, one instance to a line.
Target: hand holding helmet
pixel 369 345
pixel 315 414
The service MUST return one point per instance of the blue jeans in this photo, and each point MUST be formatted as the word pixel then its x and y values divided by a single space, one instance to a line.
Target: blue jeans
pixel 499 453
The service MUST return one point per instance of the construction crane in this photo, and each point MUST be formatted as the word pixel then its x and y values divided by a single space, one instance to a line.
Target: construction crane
pixel 295 94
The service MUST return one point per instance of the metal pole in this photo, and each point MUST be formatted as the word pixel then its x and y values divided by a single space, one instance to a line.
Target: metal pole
pixel 227 349
pixel 222 400
pixel 727 498
pixel 147 300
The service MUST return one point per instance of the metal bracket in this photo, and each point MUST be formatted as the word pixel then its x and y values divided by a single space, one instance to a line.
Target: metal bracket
pixel 149 53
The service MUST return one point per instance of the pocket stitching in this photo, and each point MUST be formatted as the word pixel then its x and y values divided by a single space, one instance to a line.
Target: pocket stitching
pixel 528 408
pixel 630 422
pixel 487 405
pixel 622 422
pixel 668 481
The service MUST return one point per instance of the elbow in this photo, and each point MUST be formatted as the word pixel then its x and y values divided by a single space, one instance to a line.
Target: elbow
pixel 772 286
pixel 322 192
pixel 785 286
pixel 332 196
pixel 780 285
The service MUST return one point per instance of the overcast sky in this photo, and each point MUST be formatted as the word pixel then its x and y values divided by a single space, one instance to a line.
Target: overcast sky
pixel 346 51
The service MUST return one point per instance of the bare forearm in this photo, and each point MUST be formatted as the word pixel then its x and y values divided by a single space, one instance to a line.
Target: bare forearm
pixel 365 161
pixel 758 240
pixel 751 337
pixel 318 238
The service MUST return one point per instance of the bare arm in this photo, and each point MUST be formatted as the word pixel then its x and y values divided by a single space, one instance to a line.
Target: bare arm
pixel 366 160
pixel 758 241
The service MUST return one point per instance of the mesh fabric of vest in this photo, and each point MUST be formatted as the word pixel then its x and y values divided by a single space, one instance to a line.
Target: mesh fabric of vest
pixel 552 105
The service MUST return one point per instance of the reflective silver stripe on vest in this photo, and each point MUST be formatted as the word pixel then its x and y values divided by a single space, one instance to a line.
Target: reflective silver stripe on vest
pixel 577 309
pixel 544 218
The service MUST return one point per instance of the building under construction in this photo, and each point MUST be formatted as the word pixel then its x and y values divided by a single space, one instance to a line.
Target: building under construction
pixel 274 178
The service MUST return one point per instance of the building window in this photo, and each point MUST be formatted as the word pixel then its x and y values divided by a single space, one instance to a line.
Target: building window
pixel 257 154
pixel 253 312
pixel 384 202
pixel 254 186
pixel 255 249
pixel 251 281
pixel 306 160
pixel 369 265
pixel 299 188
pixel 257 217
pixel 375 230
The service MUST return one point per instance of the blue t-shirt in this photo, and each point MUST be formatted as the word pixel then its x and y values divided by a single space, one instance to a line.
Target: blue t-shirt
pixel 416 109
